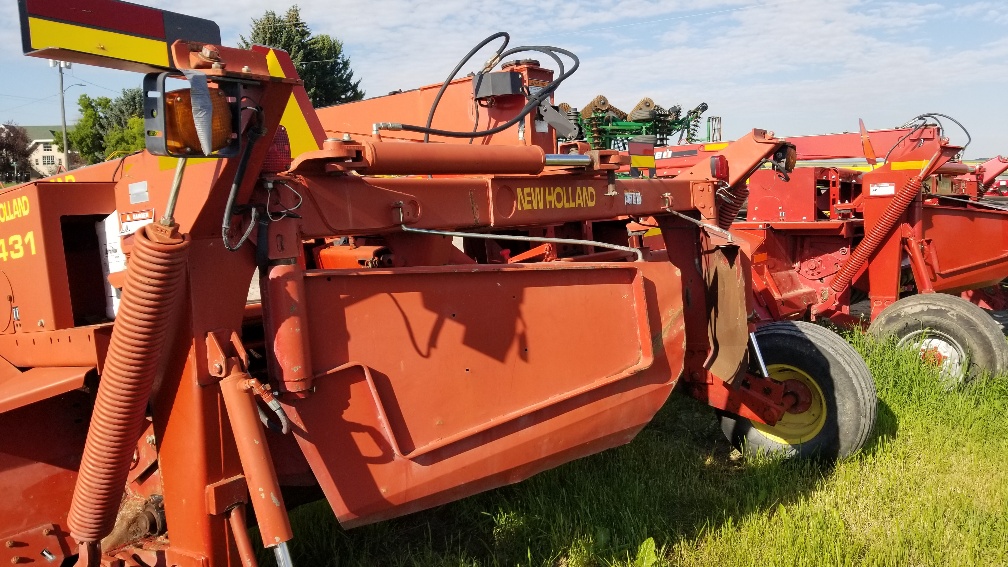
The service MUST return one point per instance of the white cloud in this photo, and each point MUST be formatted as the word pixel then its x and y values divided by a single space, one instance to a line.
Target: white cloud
pixel 794 66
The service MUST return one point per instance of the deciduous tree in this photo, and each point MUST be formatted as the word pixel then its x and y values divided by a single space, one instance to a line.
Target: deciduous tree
pixel 107 126
pixel 14 152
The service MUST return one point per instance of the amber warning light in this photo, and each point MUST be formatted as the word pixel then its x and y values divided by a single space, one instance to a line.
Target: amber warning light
pixel 181 136
pixel 200 121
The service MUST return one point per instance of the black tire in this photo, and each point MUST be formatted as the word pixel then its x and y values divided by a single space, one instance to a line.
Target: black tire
pixel 841 395
pixel 961 336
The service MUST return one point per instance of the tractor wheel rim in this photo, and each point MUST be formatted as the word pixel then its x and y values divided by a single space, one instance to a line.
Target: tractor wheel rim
pixel 800 427
pixel 939 349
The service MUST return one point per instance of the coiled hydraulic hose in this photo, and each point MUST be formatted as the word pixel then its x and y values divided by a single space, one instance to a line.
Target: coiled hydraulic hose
pixel 910 190
pixel 154 280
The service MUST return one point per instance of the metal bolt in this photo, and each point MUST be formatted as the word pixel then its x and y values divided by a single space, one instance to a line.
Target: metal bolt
pixel 150 439
pixel 15 560
pixel 218 368
pixel 47 531
pixel 346 137
pixel 210 53
pixel 10 543
pixel 48 555
pixel 246 69
pixel 41 322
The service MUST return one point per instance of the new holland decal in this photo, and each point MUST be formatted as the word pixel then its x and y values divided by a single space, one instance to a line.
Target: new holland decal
pixel 539 198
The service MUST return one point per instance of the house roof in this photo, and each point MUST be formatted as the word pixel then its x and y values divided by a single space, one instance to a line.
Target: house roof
pixel 43 132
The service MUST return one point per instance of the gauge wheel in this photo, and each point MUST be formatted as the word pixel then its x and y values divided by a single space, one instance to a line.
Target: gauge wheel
pixel 958 337
pixel 831 389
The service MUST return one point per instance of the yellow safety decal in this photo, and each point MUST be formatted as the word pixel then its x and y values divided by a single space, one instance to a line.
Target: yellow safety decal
pixel 642 161
pixel 905 165
pixel 715 147
pixel 168 162
pixel 761 257
pixel 537 198
pixel 273 64
pixel 301 138
pixel 653 232
pixel 45 34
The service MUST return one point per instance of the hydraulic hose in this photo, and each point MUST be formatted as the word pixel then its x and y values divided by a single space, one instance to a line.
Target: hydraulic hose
pixel 533 103
pixel 910 190
pixel 155 278
pixel 451 76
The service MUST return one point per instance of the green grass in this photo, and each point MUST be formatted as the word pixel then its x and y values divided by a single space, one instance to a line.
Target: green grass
pixel 929 489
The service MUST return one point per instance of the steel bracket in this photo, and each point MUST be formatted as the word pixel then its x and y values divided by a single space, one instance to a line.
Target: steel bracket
pixel 225 353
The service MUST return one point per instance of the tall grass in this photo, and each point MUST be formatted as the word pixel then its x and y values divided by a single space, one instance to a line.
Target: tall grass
pixel 928 489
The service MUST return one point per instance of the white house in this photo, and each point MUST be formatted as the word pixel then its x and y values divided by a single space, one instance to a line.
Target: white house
pixel 45 158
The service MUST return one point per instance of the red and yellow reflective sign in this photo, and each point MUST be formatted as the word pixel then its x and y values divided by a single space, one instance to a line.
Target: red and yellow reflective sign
pixel 125 35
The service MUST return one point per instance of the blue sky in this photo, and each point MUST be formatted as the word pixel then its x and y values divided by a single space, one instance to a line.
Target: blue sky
pixel 792 66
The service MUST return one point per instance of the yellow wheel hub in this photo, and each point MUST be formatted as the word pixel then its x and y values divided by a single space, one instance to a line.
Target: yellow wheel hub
pixel 803 426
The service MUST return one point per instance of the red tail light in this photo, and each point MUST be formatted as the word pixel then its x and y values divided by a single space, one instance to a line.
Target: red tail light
pixel 719 168
pixel 278 156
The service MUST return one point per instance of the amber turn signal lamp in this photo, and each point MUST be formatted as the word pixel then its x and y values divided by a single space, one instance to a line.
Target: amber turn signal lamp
pixel 180 129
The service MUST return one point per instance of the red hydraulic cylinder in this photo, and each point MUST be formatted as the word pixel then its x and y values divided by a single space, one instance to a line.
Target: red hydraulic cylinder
pixel 257 464
pixel 408 158
pixel 399 158
pixel 287 327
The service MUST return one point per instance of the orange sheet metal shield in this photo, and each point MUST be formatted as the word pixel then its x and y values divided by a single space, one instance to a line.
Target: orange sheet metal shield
pixel 728 328
pixel 466 378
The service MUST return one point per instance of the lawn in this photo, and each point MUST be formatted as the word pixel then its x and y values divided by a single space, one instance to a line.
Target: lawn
pixel 928 489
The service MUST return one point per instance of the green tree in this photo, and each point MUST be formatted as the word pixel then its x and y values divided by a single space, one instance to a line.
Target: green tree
pixel 319 59
pixel 14 163
pixel 126 139
pixel 107 126
pixel 88 135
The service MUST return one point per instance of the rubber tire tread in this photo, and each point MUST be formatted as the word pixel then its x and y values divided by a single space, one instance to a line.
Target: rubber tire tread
pixel 842 375
pixel 971 326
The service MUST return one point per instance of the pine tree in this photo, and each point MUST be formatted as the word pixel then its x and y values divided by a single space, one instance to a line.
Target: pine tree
pixel 319 59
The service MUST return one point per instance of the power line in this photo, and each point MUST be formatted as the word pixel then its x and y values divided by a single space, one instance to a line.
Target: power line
pixel 28 103
pixel 74 75
pixel 21 97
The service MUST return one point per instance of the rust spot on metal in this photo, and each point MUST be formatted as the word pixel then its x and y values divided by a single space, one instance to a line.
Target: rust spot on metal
pixel 475 208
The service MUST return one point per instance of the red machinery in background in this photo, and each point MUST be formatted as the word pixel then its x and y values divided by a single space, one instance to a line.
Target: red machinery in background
pixel 826 237
pixel 393 361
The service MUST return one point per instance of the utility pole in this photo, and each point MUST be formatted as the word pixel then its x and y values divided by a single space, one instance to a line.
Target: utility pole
pixel 66 150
